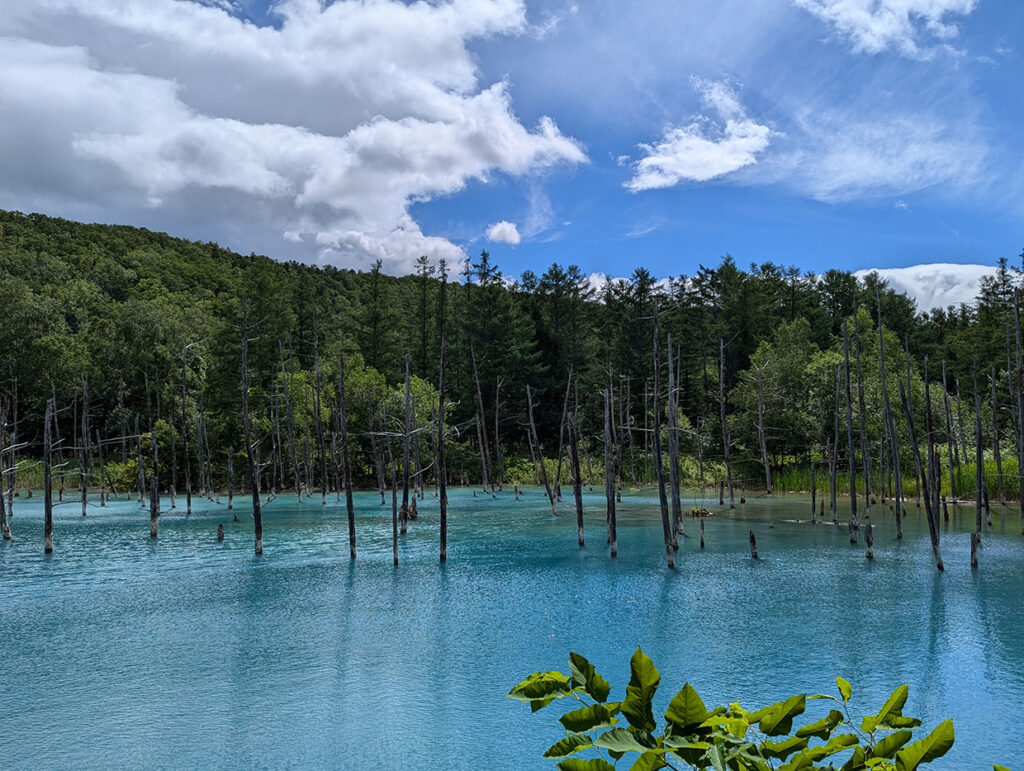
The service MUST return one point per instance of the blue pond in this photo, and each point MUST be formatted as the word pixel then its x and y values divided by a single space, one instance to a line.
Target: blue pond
pixel 117 651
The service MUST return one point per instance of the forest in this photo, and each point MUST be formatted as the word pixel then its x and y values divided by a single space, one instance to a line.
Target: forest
pixel 141 362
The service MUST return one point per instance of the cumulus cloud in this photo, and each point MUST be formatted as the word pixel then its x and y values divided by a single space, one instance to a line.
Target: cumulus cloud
pixel 935 285
pixel 704 149
pixel 873 26
pixel 504 232
pixel 330 124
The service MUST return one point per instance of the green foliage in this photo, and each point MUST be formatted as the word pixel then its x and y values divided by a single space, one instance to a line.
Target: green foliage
pixel 726 737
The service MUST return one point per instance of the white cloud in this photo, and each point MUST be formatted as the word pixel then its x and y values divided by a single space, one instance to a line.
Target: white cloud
pixel 703 150
pixel 324 130
pixel 873 26
pixel 935 285
pixel 504 232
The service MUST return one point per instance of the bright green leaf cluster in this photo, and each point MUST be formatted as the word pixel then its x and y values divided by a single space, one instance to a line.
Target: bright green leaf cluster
pixel 724 738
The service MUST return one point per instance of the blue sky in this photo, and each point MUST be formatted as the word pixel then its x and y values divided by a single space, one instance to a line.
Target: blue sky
pixel 855 134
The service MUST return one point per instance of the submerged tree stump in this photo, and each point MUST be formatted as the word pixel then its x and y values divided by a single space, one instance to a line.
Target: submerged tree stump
pixel 753 545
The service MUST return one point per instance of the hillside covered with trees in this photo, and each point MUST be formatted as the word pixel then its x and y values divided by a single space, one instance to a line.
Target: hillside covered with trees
pixel 120 324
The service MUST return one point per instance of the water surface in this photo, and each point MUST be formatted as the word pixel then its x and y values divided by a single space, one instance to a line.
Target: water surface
pixel 118 651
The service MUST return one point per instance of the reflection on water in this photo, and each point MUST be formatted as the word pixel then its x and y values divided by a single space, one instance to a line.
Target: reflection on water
pixel 117 651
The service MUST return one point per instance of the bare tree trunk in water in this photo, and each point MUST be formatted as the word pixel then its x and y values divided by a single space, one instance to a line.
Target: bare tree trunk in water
pixel 231 478
pixel 499 457
pixel 659 471
pixel 890 422
pixel 47 479
pixel 834 458
pixel 346 464
pixel 406 428
pixel 865 451
pixel 318 419
pixel 849 436
pixel 609 474
pixel 485 450
pixel 250 449
pixel 932 515
pixel 673 450
pixel 138 461
pixel 726 443
pixel 540 452
pixel 950 438
pixel 1019 399
pixel 5 453
pixel 761 439
pixel 84 450
pixel 995 438
pixel 440 467
pixel 561 435
pixel 577 482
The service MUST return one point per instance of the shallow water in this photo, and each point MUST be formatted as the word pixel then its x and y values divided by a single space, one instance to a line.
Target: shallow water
pixel 117 651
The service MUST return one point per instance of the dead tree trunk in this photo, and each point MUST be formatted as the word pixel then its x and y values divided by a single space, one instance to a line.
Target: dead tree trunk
pixel 346 465
pixel 673 450
pixel 561 435
pixel 440 467
pixel 406 429
pixel 250 445
pixel 726 443
pixel 138 461
pixel 5 452
pixel 918 470
pixel 659 471
pixel 1019 399
pixel 12 455
pixel 318 419
pixel 499 457
pixel 979 469
pixel 950 438
pixel 761 438
pixel 286 385
pixel 833 469
pixel 932 515
pixel 394 507
pixel 540 452
pixel 814 496
pixel 481 427
pixel 609 474
pixel 84 450
pixel 865 452
pixel 849 437
pixel 184 432
pixel 577 482
pixel 997 455
pixel 154 483
pixel 934 469
pixel 890 423
pixel 47 479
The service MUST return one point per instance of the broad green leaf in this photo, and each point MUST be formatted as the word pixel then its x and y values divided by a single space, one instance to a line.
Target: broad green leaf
pixel 844 688
pixel 619 740
pixel 737 726
pixel 783 749
pixel 587 718
pixel 900 721
pixel 797 763
pixel 578 764
pixel 540 686
pixel 583 674
pixel 643 682
pixel 686 709
pixel 997 767
pixel 568 746
pixel 893 707
pixel 856 761
pixel 822 728
pixel 716 757
pixel 934 745
pixel 778 718
pixel 887 747
pixel 649 761
pixel 831 747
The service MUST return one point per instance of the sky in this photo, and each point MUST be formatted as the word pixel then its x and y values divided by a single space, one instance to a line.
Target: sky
pixel 851 134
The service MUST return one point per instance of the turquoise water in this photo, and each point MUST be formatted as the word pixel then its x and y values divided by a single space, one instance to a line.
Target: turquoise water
pixel 117 651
